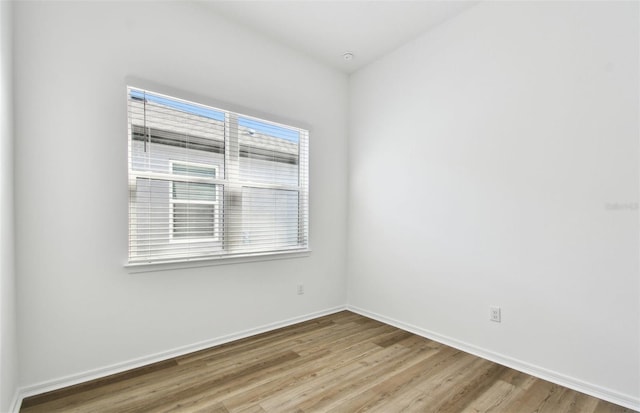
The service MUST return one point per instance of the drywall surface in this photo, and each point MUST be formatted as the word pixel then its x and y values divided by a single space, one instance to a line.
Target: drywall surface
pixel 79 308
pixel 494 161
pixel 8 349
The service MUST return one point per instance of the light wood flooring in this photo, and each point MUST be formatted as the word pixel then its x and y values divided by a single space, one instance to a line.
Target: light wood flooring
pixel 339 363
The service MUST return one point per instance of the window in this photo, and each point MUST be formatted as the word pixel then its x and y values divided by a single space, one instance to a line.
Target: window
pixel 193 204
pixel 208 183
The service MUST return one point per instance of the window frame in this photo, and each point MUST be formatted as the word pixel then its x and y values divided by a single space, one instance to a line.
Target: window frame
pixel 225 188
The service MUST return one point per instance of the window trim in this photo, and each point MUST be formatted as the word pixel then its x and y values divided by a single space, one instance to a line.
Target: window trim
pixel 209 261
pixel 301 249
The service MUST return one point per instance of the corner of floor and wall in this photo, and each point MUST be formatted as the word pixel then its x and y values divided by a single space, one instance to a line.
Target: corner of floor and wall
pixel 491 162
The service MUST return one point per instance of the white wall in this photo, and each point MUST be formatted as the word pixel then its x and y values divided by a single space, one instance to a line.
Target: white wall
pixel 508 136
pixel 494 161
pixel 79 309
pixel 8 349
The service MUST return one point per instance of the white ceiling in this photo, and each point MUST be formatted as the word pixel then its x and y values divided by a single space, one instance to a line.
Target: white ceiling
pixel 326 29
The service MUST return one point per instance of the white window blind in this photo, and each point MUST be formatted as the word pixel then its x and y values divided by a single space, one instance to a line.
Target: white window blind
pixel 208 183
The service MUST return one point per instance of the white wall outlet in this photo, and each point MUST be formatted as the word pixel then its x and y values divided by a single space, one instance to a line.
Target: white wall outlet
pixel 494 313
pixel 300 289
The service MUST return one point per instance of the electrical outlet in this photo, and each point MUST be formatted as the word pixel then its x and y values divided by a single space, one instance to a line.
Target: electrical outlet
pixel 494 313
pixel 300 289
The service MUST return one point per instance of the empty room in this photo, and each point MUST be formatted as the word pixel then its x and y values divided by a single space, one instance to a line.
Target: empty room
pixel 319 206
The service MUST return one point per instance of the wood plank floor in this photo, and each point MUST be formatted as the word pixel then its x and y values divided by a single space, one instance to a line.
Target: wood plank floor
pixel 340 363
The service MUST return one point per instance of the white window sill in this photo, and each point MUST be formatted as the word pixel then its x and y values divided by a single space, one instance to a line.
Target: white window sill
pixel 142 267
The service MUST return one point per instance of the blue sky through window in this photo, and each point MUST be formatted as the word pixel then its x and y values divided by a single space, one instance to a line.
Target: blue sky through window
pixel 265 128
pixel 291 135
pixel 179 105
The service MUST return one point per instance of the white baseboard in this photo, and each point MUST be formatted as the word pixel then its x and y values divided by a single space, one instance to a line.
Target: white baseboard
pixel 93 374
pixel 542 373
pixel 14 407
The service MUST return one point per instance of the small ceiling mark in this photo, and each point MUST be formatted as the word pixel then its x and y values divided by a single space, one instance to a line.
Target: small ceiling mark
pixel 347 56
